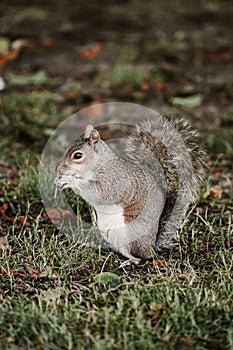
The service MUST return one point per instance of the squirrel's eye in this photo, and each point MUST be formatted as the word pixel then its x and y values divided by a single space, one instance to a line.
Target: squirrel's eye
pixel 77 155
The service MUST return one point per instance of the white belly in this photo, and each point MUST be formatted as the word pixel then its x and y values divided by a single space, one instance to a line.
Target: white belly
pixel 110 217
pixel 110 221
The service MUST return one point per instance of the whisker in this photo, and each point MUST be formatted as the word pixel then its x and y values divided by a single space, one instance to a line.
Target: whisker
pixel 55 192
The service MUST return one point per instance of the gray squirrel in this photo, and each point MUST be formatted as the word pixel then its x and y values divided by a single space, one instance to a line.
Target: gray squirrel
pixel 140 199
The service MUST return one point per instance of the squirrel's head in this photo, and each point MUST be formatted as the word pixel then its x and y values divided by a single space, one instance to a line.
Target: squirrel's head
pixel 84 156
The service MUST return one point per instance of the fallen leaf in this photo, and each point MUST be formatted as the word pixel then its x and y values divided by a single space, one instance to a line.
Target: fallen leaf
pixel 21 285
pixel 159 263
pixel 16 273
pixel 49 42
pixel 218 174
pixel 14 168
pixel 213 192
pixel 3 210
pixel 5 271
pixel 71 95
pixel 160 85
pixel 10 57
pixel 188 340
pixel 24 221
pixel 91 52
pixel 182 276
pixel 15 182
pixel 32 272
pixel 16 47
pixel 192 101
pixel 4 243
pixel 145 87
pixel 56 215
pixel 21 219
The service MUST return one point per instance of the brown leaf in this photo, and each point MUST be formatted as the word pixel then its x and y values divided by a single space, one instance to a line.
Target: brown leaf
pixel 10 57
pixel 17 46
pixel 20 274
pixel 218 174
pixel 15 182
pixel 56 215
pixel 3 210
pixel 4 243
pixel 14 168
pixel 49 42
pixel 91 52
pixel 20 219
pixel 160 85
pixel 213 192
pixel 188 340
pixel 32 272
pixel 182 276
pixel 21 285
pixel 24 221
pixel 145 87
pixel 159 262
pixel 5 271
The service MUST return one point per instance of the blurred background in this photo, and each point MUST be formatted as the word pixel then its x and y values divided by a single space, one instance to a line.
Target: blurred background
pixel 57 57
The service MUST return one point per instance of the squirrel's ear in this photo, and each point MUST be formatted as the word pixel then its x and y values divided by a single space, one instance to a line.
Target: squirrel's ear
pixel 92 134
pixel 88 131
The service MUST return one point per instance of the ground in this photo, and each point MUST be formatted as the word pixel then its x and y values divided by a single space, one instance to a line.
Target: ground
pixel 57 58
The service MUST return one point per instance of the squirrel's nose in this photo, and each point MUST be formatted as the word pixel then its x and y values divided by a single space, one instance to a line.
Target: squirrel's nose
pixel 59 168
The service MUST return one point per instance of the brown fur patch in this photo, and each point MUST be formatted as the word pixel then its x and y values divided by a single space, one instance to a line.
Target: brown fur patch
pixel 131 212
pixel 140 250
pixel 135 249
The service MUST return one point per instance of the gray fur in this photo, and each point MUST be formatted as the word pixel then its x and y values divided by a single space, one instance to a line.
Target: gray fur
pixel 154 184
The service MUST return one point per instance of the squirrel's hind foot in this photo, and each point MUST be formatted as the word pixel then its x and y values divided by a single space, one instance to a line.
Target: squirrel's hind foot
pixel 129 262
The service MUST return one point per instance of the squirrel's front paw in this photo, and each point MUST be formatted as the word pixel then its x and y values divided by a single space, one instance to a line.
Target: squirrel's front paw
pixel 63 181
pixel 59 181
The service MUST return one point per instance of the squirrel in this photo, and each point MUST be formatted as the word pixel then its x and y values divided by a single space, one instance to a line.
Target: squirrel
pixel 139 199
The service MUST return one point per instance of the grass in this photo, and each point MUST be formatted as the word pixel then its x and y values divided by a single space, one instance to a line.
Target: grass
pixel 56 294
pixel 27 118
pixel 126 74
pixel 62 305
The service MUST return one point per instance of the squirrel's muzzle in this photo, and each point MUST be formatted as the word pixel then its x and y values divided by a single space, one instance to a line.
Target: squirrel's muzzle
pixel 60 167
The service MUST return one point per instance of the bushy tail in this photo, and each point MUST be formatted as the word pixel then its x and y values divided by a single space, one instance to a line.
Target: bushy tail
pixel 173 145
